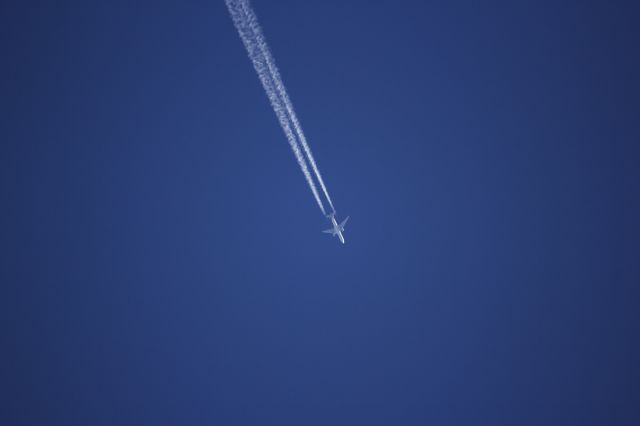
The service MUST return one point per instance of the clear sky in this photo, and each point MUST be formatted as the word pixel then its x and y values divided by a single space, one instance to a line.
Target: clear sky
pixel 161 255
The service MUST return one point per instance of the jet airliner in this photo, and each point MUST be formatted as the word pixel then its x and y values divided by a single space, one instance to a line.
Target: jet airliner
pixel 337 229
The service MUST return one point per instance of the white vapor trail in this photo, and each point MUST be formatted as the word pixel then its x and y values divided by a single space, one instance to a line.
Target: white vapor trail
pixel 247 25
pixel 252 20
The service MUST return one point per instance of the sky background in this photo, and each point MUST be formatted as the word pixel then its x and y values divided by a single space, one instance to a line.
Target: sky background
pixel 161 255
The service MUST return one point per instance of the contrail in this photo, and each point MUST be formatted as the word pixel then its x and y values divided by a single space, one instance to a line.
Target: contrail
pixel 247 25
pixel 252 20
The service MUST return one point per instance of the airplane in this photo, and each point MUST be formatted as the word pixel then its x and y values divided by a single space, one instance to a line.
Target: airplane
pixel 337 229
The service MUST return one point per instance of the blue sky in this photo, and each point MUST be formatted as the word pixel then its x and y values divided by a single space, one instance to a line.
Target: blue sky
pixel 162 260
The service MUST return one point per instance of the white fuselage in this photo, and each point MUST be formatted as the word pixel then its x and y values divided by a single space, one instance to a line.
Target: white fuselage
pixel 337 229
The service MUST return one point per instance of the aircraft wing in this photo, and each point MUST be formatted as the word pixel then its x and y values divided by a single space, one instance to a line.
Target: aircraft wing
pixel 343 222
pixel 328 231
